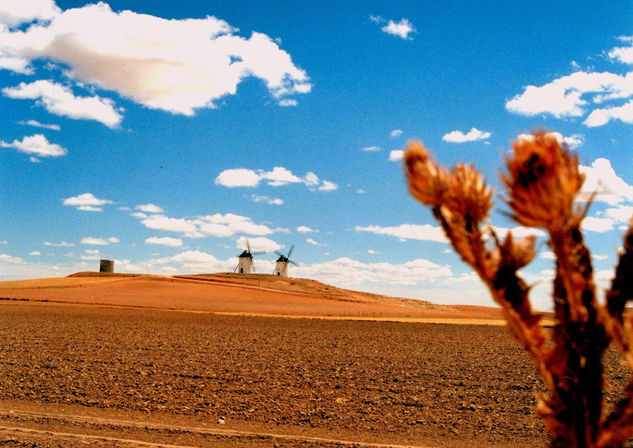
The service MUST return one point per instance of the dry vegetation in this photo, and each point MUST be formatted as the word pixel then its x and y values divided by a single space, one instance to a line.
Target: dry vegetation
pixel 542 183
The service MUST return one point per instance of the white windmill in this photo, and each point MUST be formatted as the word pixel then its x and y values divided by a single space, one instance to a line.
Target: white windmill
pixel 245 261
pixel 281 266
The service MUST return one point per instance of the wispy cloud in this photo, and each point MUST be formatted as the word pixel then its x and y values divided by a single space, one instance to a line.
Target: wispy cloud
pixel 315 243
pixel 266 199
pixel 9 259
pixel 60 100
pixel 99 241
pixel 61 244
pixel 37 124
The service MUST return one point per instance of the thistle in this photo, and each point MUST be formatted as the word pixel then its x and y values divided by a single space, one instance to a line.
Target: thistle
pixel 541 182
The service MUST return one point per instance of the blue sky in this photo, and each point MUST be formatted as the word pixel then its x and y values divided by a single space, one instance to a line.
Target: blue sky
pixel 164 134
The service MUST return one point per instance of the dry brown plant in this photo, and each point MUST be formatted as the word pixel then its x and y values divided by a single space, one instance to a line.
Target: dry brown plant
pixel 542 183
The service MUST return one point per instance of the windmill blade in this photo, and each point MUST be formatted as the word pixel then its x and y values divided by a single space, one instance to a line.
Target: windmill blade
pixel 279 253
pixel 248 246
pixel 236 266
pixel 295 263
pixel 254 270
pixel 290 251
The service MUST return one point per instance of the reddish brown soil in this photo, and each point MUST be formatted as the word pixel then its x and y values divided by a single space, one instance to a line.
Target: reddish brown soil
pixel 117 377
pixel 223 293
pixel 147 361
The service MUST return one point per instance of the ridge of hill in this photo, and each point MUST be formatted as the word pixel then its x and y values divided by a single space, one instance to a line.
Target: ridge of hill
pixel 227 293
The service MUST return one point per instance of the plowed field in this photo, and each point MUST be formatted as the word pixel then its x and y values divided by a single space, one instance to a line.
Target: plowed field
pixel 76 374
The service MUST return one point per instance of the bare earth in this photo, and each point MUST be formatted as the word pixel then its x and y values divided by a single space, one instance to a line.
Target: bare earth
pixel 163 362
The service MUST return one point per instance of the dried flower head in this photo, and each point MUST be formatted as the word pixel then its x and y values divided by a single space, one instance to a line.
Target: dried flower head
pixel 542 181
pixel 427 182
pixel 468 195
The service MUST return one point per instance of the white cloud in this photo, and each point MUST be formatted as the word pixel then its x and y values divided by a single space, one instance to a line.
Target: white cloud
pixel 602 178
pixel 90 254
pixel 267 200
pixel 139 215
pixel 572 95
pixel 422 232
pixel 371 149
pixel 4 258
pixel 62 244
pixel 238 177
pixel 372 252
pixel 306 229
pixel 623 213
pixel 396 155
pixel 35 253
pixel 594 224
pixel 86 202
pixel 328 186
pixel 471 136
pixel 401 29
pixel 162 222
pixel 360 191
pixel 60 100
pixel 517 232
pixel 395 133
pixel 216 225
pixel 164 241
pixel 36 144
pixel 347 272
pixel 600 117
pixel 573 141
pixel 277 177
pixel 195 258
pixel 37 124
pixel 280 176
pixel 89 208
pixel 176 65
pixel 13 12
pixel 623 54
pixel 315 243
pixel 287 102
pixel 259 244
pixel 99 241
pixel 149 208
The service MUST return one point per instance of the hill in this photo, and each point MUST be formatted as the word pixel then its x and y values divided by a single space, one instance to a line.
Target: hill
pixel 226 293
